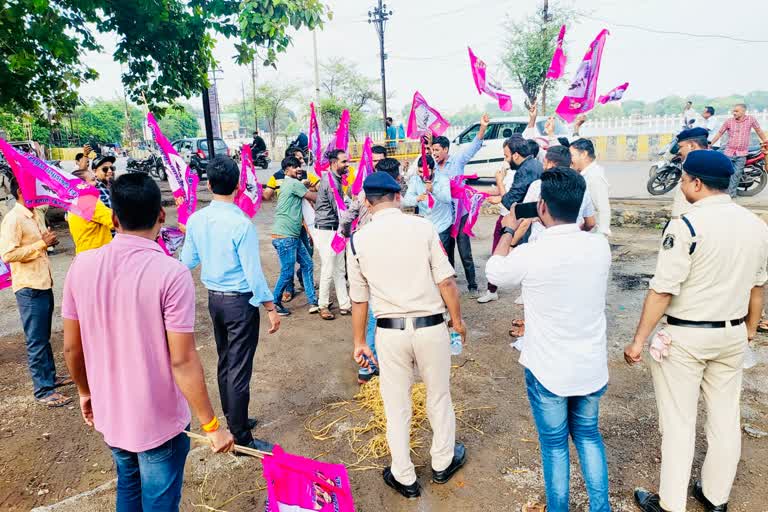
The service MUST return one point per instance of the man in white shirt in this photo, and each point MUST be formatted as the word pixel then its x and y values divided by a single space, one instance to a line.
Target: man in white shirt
pixel 564 277
pixel 710 123
pixel 689 115
pixel 583 160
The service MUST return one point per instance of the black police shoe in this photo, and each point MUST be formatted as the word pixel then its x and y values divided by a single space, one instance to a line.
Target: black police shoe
pixel 258 444
pixel 698 493
pixel 648 501
pixel 459 459
pixel 252 423
pixel 411 492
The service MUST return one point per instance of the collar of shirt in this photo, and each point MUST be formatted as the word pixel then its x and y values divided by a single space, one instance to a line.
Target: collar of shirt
pixel 385 212
pixel 560 229
pixel 219 204
pixel 23 210
pixel 592 168
pixel 125 239
pixel 712 200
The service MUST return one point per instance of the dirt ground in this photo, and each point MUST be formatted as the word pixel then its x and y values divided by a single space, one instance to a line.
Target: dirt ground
pixel 50 455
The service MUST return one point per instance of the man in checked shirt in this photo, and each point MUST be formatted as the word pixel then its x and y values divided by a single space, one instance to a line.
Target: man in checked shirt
pixel 738 128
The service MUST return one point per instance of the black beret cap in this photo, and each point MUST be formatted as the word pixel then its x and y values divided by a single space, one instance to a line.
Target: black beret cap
pixel 380 183
pixel 692 133
pixel 706 163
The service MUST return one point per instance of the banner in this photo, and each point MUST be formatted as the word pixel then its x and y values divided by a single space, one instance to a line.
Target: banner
pixel 557 66
pixel 423 118
pixel 248 198
pixel 297 484
pixel 614 94
pixel 314 138
pixel 364 168
pixel 170 239
pixel 5 274
pixel 182 180
pixel 582 91
pixel 43 184
pixel 339 141
pixel 486 84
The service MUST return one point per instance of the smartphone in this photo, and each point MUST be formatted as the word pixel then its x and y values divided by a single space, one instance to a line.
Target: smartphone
pixel 526 210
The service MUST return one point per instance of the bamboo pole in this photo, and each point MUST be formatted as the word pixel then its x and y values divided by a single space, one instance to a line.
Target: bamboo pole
pixel 239 449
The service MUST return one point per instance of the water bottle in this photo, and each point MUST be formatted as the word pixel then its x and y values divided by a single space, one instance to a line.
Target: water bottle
pixel 456 345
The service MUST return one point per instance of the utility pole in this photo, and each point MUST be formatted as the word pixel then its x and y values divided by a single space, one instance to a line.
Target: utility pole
pixel 545 19
pixel 317 69
pixel 253 93
pixel 379 17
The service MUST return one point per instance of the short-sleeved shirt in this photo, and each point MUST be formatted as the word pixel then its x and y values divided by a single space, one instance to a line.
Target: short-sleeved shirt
pixel 288 217
pixel 738 135
pixel 397 264
pixel 586 209
pixel 123 319
pixel 713 282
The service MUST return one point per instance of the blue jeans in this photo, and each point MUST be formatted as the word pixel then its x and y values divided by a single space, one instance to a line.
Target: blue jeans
pixel 556 417
pixel 307 241
pixel 738 171
pixel 289 250
pixel 151 480
pixel 370 340
pixel 36 311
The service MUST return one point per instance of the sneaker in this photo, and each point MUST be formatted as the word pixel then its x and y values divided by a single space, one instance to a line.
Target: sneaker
pixel 313 309
pixel 488 296
pixel 363 378
pixel 281 310
pixel 474 293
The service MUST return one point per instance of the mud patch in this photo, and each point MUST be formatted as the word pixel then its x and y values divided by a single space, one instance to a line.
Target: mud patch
pixel 626 282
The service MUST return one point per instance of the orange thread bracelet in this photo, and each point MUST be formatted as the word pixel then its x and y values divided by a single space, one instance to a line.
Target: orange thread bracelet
pixel 211 426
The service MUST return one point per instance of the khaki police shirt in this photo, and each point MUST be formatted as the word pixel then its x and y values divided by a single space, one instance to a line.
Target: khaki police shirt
pixel 713 283
pixel 397 264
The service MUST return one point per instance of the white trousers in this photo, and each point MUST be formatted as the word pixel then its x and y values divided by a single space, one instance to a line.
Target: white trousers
pixel 331 270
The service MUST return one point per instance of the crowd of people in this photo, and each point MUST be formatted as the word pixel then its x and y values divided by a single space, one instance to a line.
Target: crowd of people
pixel 137 373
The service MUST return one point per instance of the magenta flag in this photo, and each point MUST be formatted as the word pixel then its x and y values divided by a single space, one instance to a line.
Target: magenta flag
pixel 614 94
pixel 339 242
pixel 170 239
pixel 557 66
pixel 339 141
pixel 580 97
pixel 5 274
pixel 248 198
pixel 365 168
pixel 486 84
pixel 182 180
pixel 423 118
pixel 315 146
pixel 468 202
pixel 43 184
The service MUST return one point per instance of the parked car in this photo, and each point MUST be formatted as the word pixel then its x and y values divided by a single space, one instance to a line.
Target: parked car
pixel 195 152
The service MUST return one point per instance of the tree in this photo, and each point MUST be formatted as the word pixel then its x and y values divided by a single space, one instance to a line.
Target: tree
pixel 344 87
pixel 103 121
pixel 179 123
pixel 530 44
pixel 271 103
pixel 166 45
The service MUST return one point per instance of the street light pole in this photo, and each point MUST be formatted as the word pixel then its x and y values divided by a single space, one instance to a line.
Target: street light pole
pixel 379 17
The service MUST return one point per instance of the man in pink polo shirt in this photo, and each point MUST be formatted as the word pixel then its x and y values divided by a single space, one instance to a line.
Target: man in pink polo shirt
pixel 739 128
pixel 133 356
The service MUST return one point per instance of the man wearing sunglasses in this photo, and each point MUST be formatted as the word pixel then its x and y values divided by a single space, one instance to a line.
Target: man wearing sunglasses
pixel 104 169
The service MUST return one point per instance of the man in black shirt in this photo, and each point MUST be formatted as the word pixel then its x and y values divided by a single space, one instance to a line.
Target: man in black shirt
pixel 258 145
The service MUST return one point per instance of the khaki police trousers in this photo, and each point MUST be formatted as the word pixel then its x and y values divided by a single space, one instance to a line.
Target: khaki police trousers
pixel 429 348
pixel 707 362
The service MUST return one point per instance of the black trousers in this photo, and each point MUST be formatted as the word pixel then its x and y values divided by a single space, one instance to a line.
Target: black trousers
pixel 236 329
pixel 465 252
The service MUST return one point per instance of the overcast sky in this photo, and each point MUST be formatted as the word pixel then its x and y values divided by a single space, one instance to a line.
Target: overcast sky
pixel 427 49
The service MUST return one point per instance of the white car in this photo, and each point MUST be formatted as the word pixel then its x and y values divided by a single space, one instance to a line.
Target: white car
pixel 490 158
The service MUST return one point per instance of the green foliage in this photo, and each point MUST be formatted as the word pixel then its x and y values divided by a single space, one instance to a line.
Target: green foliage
pixel 344 87
pixel 178 123
pixel 272 104
pixel 166 45
pixel 673 105
pixel 104 122
pixel 530 44
pixel 15 127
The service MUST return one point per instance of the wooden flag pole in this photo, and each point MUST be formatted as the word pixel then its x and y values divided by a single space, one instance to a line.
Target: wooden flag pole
pixel 239 449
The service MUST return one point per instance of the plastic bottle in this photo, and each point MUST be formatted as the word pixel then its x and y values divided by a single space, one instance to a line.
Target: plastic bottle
pixel 456 345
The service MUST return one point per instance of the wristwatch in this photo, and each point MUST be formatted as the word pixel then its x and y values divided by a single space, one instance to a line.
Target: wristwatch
pixel 508 231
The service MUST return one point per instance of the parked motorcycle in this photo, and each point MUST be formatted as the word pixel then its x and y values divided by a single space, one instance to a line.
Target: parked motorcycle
pixel 152 165
pixel 753 181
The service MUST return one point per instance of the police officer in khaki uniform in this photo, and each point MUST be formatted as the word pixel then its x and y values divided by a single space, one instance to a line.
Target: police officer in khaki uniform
pixel 396 263
pixel 709 285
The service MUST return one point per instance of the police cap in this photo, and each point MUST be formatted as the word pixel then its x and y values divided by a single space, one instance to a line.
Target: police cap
pixel 692 133
pixel 380 183
pixel 706 163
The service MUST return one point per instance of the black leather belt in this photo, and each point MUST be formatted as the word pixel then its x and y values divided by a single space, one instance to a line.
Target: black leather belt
pixel 703 325
pixel 228 294
pixel 327 228
pixel 418 323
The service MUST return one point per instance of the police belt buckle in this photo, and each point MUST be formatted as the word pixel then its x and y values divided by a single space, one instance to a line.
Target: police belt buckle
pixel 671 320
pixel 418 322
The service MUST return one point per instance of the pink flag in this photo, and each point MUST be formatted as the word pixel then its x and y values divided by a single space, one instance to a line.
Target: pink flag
pixel 486 84
pixel 468 202
pixel 5 274
pixel 339 141
pixel 557 66
pixel 298 484
pixel 339 242
pixel 582 91
pixel 424 117
pixel 182 180
pixel 614 94
pixel 365 168
pixel 42 184
pixel 315 146
pixel 248 198
pixel 170 239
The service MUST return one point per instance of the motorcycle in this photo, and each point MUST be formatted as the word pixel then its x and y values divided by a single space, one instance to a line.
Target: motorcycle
pixel 752 182
pixel 261 159
pixel 152 165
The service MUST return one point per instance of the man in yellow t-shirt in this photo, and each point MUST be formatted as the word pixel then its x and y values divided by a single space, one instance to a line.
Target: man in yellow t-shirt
pixel 95 233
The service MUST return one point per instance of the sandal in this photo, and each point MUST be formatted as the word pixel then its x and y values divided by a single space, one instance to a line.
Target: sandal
pixel 326 314
pixel 518 329
pixel 62 381
pixel 762 325
pixel 54 400
pixel 534 507
pixel 287 296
